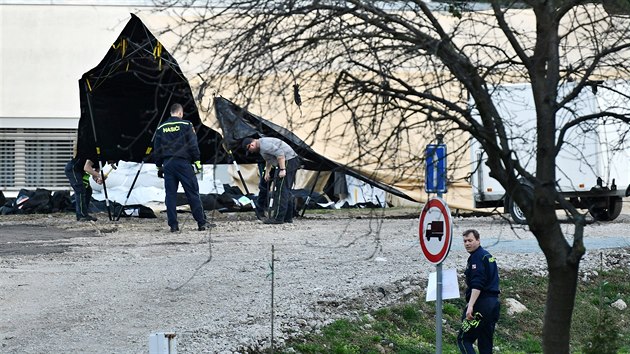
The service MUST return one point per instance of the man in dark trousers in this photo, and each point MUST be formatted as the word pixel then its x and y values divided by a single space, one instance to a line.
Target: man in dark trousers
pixel 278 155
pixel 482 295
pixel 79 171
pixel 262 200
pixel 176 151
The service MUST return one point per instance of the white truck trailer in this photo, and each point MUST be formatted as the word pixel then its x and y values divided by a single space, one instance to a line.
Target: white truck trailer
pixel 593 167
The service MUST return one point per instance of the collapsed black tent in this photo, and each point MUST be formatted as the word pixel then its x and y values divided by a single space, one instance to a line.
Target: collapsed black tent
pixel 125 97
pixel 237 124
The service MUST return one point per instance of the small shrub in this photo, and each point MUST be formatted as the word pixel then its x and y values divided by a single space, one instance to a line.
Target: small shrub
pixel 605 336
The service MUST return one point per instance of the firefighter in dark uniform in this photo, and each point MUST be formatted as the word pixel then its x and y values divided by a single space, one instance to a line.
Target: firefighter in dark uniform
pixel 175 149
pixel 79 171
pixel 482 296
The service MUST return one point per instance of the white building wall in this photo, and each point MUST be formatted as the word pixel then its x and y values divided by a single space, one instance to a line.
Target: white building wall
pixel 44 50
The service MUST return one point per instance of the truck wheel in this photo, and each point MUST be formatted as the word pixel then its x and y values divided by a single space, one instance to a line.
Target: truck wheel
pixel 615 204
pixel 515 211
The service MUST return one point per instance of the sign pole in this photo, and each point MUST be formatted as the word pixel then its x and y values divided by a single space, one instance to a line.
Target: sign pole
pixel 435 178
pixel 435 231
pixel 438 310
pixel 438 276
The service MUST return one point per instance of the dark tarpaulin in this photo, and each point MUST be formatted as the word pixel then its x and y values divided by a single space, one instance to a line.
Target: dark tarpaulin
pixel 235 129
pixel 237 124
pixel 124 99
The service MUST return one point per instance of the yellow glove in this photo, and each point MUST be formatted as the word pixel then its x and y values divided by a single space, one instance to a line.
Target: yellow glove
pixel 197 166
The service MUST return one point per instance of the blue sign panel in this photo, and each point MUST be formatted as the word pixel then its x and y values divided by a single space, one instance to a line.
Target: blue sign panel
pixel 435 177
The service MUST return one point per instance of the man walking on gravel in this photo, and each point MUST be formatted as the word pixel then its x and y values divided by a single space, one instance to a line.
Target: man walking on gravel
pixel 482 295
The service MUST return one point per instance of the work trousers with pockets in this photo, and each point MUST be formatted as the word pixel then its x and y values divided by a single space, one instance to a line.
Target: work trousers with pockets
pixel 82 190
pixel 262 200
pixel 283 201
pixel 178 171
pixel 489 307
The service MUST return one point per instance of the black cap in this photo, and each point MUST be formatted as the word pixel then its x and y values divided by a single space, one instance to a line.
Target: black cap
pixel 246 142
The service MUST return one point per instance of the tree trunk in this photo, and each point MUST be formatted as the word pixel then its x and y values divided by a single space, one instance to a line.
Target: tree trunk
pixel 561 291
pixel 563 264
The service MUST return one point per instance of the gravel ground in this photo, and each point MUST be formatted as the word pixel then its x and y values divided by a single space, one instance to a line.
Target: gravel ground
pixel 104 287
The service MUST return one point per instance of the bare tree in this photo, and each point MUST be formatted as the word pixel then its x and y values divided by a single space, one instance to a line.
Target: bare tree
pixel 377 72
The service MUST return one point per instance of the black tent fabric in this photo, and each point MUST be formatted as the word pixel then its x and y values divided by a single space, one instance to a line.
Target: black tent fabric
pixel 237 124
pixel 125 97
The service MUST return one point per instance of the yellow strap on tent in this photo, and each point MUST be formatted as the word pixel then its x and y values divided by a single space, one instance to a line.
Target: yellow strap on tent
pixel 157 53
pixel 98 151
pixel 127 67
pixel 148 150
pixel 87 81
pixel 122 45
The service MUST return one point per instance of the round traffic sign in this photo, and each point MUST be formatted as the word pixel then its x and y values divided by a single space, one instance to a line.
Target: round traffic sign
pixel 435 230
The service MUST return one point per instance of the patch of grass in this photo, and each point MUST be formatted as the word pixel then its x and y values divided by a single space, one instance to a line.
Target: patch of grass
pixel 602 329
pixel 410 328
pixel 451 310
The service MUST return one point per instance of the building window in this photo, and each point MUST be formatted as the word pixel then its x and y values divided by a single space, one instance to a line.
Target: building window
pixel 35 158
pixel 7 163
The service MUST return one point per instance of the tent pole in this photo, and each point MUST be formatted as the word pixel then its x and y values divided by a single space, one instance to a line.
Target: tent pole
pixel 269 195
pixel 109 209
pixel 146 154
pixel 262 171
pixel 240 175
pixel 308 198
pixel 98 150
pixel 129 192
